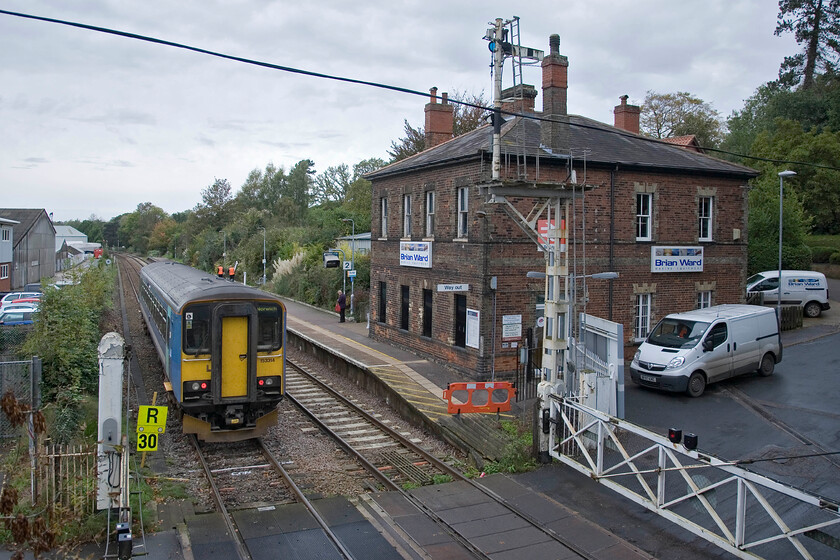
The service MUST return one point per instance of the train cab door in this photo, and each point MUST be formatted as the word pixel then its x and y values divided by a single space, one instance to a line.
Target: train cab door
pixel 234 366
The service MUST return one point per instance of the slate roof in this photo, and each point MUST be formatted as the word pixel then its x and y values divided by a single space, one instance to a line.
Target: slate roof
pixel 604 144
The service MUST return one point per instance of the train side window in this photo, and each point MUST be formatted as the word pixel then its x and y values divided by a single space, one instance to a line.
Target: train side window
pixel 197 329
pixel 270 327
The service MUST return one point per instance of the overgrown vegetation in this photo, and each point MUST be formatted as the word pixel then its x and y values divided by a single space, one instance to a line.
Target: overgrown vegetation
pixel 518 457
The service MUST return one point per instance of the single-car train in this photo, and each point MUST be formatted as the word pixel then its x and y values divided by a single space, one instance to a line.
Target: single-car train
pixel 222 345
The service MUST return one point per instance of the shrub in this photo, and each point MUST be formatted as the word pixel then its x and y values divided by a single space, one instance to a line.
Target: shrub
pixel 821 254
pixel 834 258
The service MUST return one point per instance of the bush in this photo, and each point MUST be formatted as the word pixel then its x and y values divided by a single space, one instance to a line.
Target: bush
pixel 821 254
pixel 834 258
pixel 66 333
pixel 764 256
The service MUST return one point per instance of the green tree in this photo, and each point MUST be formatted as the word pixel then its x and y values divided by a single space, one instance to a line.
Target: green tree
pixel 816 26
pixel 817 188
pixel 298 189
pixel 666 115
pixel 332 185
pixel 215 204
pixel 136 227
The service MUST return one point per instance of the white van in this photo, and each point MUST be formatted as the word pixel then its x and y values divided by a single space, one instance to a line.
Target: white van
pixel 799 287
pixel 687 351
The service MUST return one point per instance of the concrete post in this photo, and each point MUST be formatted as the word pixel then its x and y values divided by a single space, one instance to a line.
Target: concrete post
pixel 109 435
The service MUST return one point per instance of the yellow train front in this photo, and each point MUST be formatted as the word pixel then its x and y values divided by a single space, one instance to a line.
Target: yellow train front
pixel 222 345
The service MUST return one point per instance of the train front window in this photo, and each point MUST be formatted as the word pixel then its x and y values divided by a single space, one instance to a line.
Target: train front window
pixel 270 319
pixel 197 329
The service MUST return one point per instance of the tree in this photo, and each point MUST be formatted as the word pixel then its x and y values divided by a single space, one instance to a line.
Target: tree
pixel 332 185
pixel 816 25
pixel 213 208
pixel 666 115
pixel 136 227
pixel 297 190
pixel 468 116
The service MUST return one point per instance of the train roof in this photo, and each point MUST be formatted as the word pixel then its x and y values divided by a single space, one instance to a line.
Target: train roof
pixel 181 284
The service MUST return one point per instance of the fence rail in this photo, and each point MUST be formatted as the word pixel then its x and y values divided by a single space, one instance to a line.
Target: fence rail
pixel 67 477
pixel 744 513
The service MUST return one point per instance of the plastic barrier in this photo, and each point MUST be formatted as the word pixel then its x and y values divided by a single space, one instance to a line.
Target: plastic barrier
pixel 482 396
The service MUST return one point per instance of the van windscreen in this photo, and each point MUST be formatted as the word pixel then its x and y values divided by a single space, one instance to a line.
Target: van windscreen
pixel 677 333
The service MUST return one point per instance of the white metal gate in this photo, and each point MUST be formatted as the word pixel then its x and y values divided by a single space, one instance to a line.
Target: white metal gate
pixel 745 513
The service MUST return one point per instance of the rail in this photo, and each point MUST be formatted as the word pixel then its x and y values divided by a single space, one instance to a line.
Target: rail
pixel 744 513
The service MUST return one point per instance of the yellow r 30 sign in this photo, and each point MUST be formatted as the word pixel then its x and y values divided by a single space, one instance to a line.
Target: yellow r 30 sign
pixel 151 423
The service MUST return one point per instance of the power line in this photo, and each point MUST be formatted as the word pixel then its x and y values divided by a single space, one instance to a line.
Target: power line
pixel 379 85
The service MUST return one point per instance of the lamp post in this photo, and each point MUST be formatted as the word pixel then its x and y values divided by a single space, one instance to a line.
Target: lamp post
pixel 352 260
pixel 263 279
pixel 782 175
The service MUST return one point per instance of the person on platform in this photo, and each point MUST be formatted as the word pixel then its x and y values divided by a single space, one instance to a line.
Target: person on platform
pixel 341 305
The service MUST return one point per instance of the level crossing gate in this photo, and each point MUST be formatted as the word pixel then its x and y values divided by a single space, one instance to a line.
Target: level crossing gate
pixel 744 513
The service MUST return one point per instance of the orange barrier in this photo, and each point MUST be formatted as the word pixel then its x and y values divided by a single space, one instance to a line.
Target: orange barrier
pixel 481 396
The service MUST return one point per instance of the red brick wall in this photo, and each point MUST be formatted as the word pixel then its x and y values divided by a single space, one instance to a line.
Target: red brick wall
pixel 497 247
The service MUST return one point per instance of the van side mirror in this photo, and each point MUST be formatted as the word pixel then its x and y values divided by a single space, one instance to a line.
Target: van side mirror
pixel 708 345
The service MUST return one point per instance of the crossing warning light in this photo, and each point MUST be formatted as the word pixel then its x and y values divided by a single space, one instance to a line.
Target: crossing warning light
pixel 331 260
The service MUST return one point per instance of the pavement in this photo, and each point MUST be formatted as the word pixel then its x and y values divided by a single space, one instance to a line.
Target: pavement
pixel 627 522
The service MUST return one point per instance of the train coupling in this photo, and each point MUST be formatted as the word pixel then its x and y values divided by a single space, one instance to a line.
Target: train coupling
pixel 234 417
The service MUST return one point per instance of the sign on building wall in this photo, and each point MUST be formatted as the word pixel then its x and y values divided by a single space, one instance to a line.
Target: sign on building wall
pixel 473 325
pixel 453 287
pixel 511 327
pixel 676 259
pixel 416 254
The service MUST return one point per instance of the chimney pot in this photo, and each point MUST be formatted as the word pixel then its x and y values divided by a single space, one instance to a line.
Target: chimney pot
pixel 440 119
pixel 627 116
pixel 433 95
pixel 445 97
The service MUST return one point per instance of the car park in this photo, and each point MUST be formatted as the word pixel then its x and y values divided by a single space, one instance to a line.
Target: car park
pixel 23 303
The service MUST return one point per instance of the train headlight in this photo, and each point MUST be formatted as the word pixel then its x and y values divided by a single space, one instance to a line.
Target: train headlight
pixel 196 389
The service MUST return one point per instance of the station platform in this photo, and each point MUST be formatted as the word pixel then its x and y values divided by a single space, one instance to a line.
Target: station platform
pixel 415 383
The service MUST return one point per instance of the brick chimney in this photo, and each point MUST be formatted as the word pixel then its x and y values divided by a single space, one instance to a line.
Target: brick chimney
pixel 440 119
pixel 627 116
pixel 519 99
pixel 555 84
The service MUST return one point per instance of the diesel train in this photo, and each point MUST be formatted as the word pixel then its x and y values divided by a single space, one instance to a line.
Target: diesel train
pixel 222 345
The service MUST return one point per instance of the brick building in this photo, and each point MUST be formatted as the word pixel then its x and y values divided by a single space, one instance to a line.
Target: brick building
pixel 449 253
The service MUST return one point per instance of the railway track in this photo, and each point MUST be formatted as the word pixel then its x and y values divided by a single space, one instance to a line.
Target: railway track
pixel 247 475
pixel 252 455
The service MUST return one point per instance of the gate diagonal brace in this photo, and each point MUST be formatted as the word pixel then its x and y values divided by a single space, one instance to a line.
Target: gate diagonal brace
pixel 482 396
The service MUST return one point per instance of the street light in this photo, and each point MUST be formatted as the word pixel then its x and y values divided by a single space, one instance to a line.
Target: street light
pixel 352 261
pixel 782 175
pixel 263 280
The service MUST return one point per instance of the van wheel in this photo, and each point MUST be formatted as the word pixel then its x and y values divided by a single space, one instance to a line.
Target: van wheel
pixel 696 384
pixel 767 365
pixel 813 309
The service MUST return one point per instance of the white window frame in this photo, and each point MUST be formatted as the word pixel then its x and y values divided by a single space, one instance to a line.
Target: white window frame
pixel 705 210
pixel 463 210
pixel 4 271
pixel 644 216
pixel 430 213
pixel 406 215
pixel 383 218
pixel 641 317
pixel 704 299
pixel 6 235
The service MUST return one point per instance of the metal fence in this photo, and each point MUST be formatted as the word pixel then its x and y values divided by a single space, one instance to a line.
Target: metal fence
pixel 67 477
pixel 21 379
pixel 744 513
pixel 11 340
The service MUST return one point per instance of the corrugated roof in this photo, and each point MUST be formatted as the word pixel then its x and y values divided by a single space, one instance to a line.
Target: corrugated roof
pixel 604 144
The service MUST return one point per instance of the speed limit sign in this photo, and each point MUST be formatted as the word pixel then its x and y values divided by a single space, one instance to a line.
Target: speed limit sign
pixel 147 441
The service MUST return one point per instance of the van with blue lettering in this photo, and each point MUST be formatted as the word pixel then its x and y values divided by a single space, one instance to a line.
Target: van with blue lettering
pixel 799 287
pixel 687 351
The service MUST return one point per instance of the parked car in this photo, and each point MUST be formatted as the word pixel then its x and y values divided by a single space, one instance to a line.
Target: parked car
pixel 687 351
pixel 16 317
pixel 21 303
pixel 34 287
pixel 799 287
pixel 18 295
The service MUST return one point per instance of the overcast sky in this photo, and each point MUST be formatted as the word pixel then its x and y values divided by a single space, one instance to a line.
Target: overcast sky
pixel 97 124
